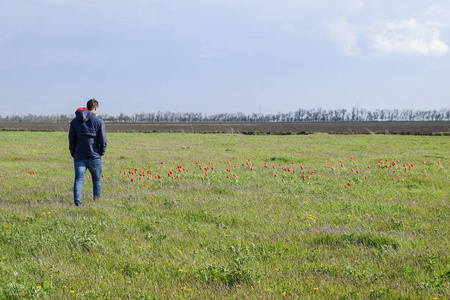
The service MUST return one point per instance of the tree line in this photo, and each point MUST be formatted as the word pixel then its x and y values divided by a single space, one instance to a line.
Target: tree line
pixel 300 115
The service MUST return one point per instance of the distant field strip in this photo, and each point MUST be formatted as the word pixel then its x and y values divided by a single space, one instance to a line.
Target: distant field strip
pixel 385 128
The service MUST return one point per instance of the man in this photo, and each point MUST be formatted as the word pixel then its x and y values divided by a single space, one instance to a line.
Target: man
pixel 87 144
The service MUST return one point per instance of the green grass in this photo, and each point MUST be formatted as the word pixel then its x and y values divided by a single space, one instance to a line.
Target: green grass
pixel 248 236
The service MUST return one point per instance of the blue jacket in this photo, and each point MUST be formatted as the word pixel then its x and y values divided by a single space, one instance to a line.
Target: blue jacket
pixel 87 136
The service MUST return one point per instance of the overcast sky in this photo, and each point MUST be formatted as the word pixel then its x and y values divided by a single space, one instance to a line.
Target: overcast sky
pixel 223 55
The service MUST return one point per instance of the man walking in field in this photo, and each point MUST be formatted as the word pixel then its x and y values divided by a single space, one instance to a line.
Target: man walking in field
pixel 87 144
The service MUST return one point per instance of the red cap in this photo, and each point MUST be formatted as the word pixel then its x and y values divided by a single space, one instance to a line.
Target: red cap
pixel 81 108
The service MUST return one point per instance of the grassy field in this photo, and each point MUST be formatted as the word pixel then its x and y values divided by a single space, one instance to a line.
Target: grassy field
pixel 192 216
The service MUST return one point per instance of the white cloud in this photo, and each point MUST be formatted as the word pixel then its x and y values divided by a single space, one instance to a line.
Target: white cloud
pixel 205 52
pixel 404 24
pixel 409 37
pixel 434 24
pixel 435 10
pixel 344 35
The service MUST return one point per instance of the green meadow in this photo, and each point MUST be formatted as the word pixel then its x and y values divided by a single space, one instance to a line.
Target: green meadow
pixel 198 216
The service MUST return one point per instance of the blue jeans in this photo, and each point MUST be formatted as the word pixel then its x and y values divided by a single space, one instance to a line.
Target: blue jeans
pixel 95 168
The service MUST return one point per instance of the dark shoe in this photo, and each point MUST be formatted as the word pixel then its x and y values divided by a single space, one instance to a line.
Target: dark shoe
pixel 77 204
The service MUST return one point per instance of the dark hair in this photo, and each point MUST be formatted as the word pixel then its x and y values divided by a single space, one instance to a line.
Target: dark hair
pixel 92 104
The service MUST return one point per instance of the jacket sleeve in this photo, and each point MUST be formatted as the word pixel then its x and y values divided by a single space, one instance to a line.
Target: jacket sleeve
pixel 72 140
pixel 102 138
